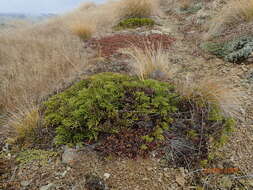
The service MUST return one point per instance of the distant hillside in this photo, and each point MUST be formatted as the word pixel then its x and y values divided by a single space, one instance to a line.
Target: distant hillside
pixel 6 18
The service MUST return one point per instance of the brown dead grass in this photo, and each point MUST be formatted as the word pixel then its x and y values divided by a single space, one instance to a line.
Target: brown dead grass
pixel 25 122
pixel 83 30
pixel 212 91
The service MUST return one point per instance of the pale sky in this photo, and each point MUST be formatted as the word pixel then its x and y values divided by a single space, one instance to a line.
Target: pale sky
pixel 40 6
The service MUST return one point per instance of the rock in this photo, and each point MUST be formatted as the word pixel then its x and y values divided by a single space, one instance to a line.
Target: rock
pixel 107 176
pixel 94 183
pixel 156 32
pixel 50 186
pixel 69 156
pixel 158 75
pixel 25 183
pixel 167 30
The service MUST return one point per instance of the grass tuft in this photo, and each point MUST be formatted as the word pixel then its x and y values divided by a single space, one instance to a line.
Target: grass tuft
pixel 149 62
pixel 214 92
pixel 141 8
pixel 25 122
pixel 83 30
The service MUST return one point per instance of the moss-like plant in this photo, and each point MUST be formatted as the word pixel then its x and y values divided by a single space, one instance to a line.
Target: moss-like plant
pixel 108 103
pixel 135 23
pixel 30 155
pixel 234 51
pixel 133 117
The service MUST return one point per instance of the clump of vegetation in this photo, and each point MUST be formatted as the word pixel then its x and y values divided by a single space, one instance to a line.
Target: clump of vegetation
pixel 26 124
pixel 30 155
pixel 109 103
pixel 131 117
pixel 149 62
pixel 141 8
pixel 135 23
pixel 235 51
pixel 83 30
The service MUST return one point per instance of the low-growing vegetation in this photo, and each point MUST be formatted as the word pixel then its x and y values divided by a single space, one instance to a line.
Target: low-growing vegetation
pixel 131 117
pixel 109 46
pixel 30 155
pixel 235 51
pixel 135 23
pixel 108 103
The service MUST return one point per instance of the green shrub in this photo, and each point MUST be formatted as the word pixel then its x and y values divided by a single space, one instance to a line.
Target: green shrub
pixel 234 51
pixel 107 103
pixel 122 109
pixel 135 23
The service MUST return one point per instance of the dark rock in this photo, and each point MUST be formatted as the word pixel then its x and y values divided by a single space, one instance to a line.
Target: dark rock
pixel 94 183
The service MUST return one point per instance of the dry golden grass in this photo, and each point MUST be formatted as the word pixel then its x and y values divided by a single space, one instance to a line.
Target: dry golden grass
pixel 149 62
pixel 83 30
pixel 212 91
pixel 233 13
pixel 140 8
pixel 185 4
pixel 25 122
pixel 33 65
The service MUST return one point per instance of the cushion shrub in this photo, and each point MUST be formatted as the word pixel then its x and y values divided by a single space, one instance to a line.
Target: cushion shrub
pixel 135 23
pixel 235 51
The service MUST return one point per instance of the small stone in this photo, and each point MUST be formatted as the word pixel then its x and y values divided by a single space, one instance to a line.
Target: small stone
pixel 69 156
pixel 107 176
pixel 64 173
pixel 155 32
pixel 25 183
pixel 50 186
pixel 94 183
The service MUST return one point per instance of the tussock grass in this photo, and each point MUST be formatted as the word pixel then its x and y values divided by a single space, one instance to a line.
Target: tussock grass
pixel 140 8
pixel 25 122
pixel 185 4
pixel 83 30
pixel 34 65
pixel 149 62
pixel 212 91
pixel 233 13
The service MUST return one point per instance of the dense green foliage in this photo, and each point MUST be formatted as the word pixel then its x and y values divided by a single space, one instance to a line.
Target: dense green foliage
pixel 135 23
pixel 107 103
pixel 234 51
